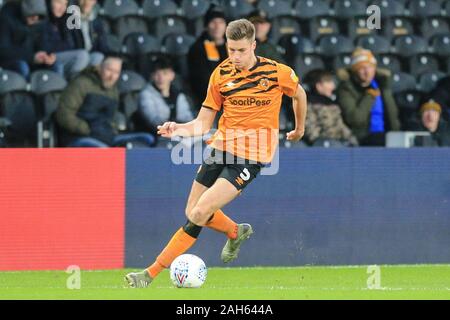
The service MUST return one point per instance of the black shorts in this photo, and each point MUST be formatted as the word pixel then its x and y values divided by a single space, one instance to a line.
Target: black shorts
pixel 240 172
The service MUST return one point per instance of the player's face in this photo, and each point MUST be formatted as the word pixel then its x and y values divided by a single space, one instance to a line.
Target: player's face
pixel 241 53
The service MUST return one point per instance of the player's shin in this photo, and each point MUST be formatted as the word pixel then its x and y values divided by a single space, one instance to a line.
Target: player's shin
pixel 181 241
pixel 220 222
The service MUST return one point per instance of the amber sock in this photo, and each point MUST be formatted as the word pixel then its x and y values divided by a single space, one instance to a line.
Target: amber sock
pixel 222 223
pixel 179 244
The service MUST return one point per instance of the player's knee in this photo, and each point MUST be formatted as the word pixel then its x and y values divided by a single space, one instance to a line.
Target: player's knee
pixel 198 215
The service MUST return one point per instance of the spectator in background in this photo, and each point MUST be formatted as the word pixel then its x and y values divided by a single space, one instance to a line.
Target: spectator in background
pixel 207 52
pixel 366 99
pixel 86 114
pixel 19 37
pixel 58 39
pixel 92 35
pixel 431 121
pixel 160 101
pixel 324 118
pixel 264 47
pixel 441 95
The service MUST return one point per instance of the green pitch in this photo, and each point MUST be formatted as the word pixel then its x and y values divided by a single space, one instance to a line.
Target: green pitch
pixel 396 282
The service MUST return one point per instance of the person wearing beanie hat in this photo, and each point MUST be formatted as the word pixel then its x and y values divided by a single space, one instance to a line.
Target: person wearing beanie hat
pixel 207 52
pixel 430 120
pixel 20 37
pixel 366 99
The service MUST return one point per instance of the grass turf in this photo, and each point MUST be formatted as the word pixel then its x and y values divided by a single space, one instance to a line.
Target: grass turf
pixel 397 282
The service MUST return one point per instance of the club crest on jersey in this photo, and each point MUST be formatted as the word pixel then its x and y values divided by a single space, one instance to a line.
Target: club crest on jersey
pixel 264 83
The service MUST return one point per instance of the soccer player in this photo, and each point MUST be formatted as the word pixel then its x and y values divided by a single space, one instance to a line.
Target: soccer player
pixel 249 90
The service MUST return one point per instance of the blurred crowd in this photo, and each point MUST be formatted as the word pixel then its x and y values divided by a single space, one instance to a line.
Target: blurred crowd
pixel 65 78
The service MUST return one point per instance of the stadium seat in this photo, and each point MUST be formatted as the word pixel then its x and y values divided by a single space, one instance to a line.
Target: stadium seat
pixel 275 8
pixel 306 62
pixel 308 9
pixel 177 46
pixel 236 8
pixel 343 60
pixel 153 9
pixel 397 26
pixel 345 9
pixel 114 44
pixel 123 26
pixel 18 108
pixel 295 44
pixel 421 63
pixel 283 26
pixel 410 45
pixel 440 45
pixel 375 43
pixel 328 143
pixel 448 65
pixel 428 80
pixel 130 85
pixel 321 26
pixel 390 8
pixel 47 86
pixel 140 44
pixel 419 9
pixel 357 27
pixel 446 8
pixel 434 26
pixel 114 9
pixel 105 23
pixel 46 81
pixel 193 9
pixel 402 82
pixel 408 103
pixel 389 61
pixel 164 26
pixel 332 45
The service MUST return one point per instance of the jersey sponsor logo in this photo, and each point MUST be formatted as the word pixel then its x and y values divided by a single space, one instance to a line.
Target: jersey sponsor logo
pixel 250 102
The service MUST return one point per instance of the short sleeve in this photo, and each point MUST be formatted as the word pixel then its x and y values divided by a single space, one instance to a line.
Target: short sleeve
pixel 287 80
pixel 213 99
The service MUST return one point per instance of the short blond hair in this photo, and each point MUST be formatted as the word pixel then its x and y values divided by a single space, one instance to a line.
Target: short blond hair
pixel 240 29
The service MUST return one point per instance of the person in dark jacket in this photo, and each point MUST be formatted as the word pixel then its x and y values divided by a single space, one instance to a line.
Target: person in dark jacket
pixel 207 52
pixel 19 37
pixel 91 35
pixel 441 95
pixel 59 39
pixel 87 109
pixel 366 99
pixel 431 121
pixel 263 25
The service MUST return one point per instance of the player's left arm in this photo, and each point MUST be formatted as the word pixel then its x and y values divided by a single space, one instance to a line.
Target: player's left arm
pixel 299 104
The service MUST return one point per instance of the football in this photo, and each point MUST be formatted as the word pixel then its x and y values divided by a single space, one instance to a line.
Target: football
pixel 188 271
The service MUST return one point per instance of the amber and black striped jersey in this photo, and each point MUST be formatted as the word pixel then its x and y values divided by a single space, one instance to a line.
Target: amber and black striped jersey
pixel 251 101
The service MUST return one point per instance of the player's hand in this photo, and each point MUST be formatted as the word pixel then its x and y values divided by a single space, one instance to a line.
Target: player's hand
pixel 295 135
pixel 167 129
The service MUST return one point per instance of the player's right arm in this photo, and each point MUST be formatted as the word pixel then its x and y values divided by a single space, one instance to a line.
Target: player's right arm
pixel 197 127
pixel 205 119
